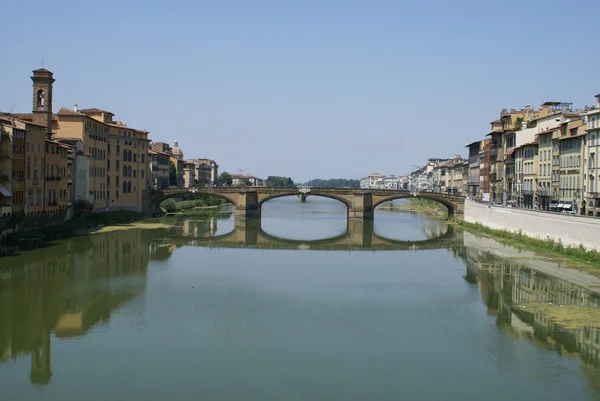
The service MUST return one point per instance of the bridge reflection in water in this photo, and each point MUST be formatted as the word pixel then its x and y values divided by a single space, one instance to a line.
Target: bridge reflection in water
pixel 66 290
pixel 359 235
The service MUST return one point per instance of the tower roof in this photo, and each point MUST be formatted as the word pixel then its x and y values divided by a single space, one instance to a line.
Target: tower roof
pixel 176 149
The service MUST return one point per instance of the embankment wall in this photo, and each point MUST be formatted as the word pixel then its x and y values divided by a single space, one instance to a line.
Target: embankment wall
pixel 569 229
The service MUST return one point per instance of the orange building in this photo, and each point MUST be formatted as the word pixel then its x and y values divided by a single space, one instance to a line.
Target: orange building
pixel 118 156
pixel 56 179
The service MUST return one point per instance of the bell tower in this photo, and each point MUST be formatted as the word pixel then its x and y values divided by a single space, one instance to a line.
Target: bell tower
pixel 42 97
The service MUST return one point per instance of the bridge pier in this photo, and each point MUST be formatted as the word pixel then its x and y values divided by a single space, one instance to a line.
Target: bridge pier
pixel 361 232
pixel 247 210
pixel 361 207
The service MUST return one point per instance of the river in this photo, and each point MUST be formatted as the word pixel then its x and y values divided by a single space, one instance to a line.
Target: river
pixel 304 307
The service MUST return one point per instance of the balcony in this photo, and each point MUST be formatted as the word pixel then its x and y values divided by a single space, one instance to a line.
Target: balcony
pixel 593 195
pixel 527 192
pixel 4 178
pixel 494 151
pixel 510 176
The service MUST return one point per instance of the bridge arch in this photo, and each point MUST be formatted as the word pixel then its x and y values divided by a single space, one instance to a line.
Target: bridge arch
pixel 312 193
pixel 448 203
pixel 164 196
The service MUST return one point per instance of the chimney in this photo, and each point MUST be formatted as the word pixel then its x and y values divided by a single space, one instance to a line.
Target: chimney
pixel 76 108
pixel 598 101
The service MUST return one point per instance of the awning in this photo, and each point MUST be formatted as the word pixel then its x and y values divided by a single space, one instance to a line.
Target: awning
pixel 554 205
pixel 560 205
pixel 567 206
pixel 4 191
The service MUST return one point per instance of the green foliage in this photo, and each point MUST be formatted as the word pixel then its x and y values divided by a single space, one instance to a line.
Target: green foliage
pixel 277 181
pixel 333 183
pixel 242 183
pixel 579 253
pixel 518 123
pixel 172 173
pixel 191 201
pixel 225 179
pixel 170 205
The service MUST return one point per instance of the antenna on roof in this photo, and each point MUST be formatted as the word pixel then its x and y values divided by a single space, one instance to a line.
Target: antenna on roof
pixel 12 107
pixel 42 62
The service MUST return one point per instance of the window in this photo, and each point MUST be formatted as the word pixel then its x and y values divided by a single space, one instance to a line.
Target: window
pixel 142 173
pixel 134 158
pixel 143 158
pixel 124 187
pixel 129 187
pixel 118 151
pixel 128 171
pixel 117 166
pixel 124 155
pixel 124 171
pixel 134 172
pixel 129 155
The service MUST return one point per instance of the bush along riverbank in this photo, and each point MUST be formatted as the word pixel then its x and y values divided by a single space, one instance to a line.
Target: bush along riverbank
pixel 41 236
pixel 172 206
pixel 578 254
pixel 430 208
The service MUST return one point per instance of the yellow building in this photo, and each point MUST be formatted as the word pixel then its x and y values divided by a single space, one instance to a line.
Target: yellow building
pixel 35 152
pixel 118 153
pixel 6 170
pixel 56 176
pixel 118 156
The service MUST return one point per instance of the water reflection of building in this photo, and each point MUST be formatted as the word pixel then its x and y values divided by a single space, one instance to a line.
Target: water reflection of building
pixel 435 228
pixel 66 290
pixel 507 287
pixel 200 228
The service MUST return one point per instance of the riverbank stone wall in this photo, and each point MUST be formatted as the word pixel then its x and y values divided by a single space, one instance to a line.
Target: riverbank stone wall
pixel 572 230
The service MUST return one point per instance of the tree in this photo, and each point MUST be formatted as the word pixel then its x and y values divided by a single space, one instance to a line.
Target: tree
pixel 225 179
pixel 333 183
pixel 170 205
pixel 277 181
pixel 172 174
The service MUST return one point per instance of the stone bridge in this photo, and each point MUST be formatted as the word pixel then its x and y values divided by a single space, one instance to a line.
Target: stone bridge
pixel 247 201
pixel 359 235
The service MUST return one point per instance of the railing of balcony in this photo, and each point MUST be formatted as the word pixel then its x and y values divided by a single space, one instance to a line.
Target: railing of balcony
pixel 543 192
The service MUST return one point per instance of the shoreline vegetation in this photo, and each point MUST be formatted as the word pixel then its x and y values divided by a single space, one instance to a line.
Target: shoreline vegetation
pixel 430 208
pixel 576 254
pixel 590 257
pixel 40 237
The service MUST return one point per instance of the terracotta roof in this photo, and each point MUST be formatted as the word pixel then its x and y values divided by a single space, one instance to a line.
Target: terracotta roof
pixel 496 131
pixel 37 124
pixel 95 111
pixel 68 141
pixel 26 117
pixel 68 112
pixel 154 152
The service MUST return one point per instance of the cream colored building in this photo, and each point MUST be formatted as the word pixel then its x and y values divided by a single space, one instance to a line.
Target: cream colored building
pixel 572 165
pixel 592 164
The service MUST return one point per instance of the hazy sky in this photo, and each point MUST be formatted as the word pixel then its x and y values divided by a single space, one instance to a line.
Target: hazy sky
pixel 307 89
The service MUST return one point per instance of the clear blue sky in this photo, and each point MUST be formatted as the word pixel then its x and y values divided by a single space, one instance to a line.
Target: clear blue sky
pixel 307 89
